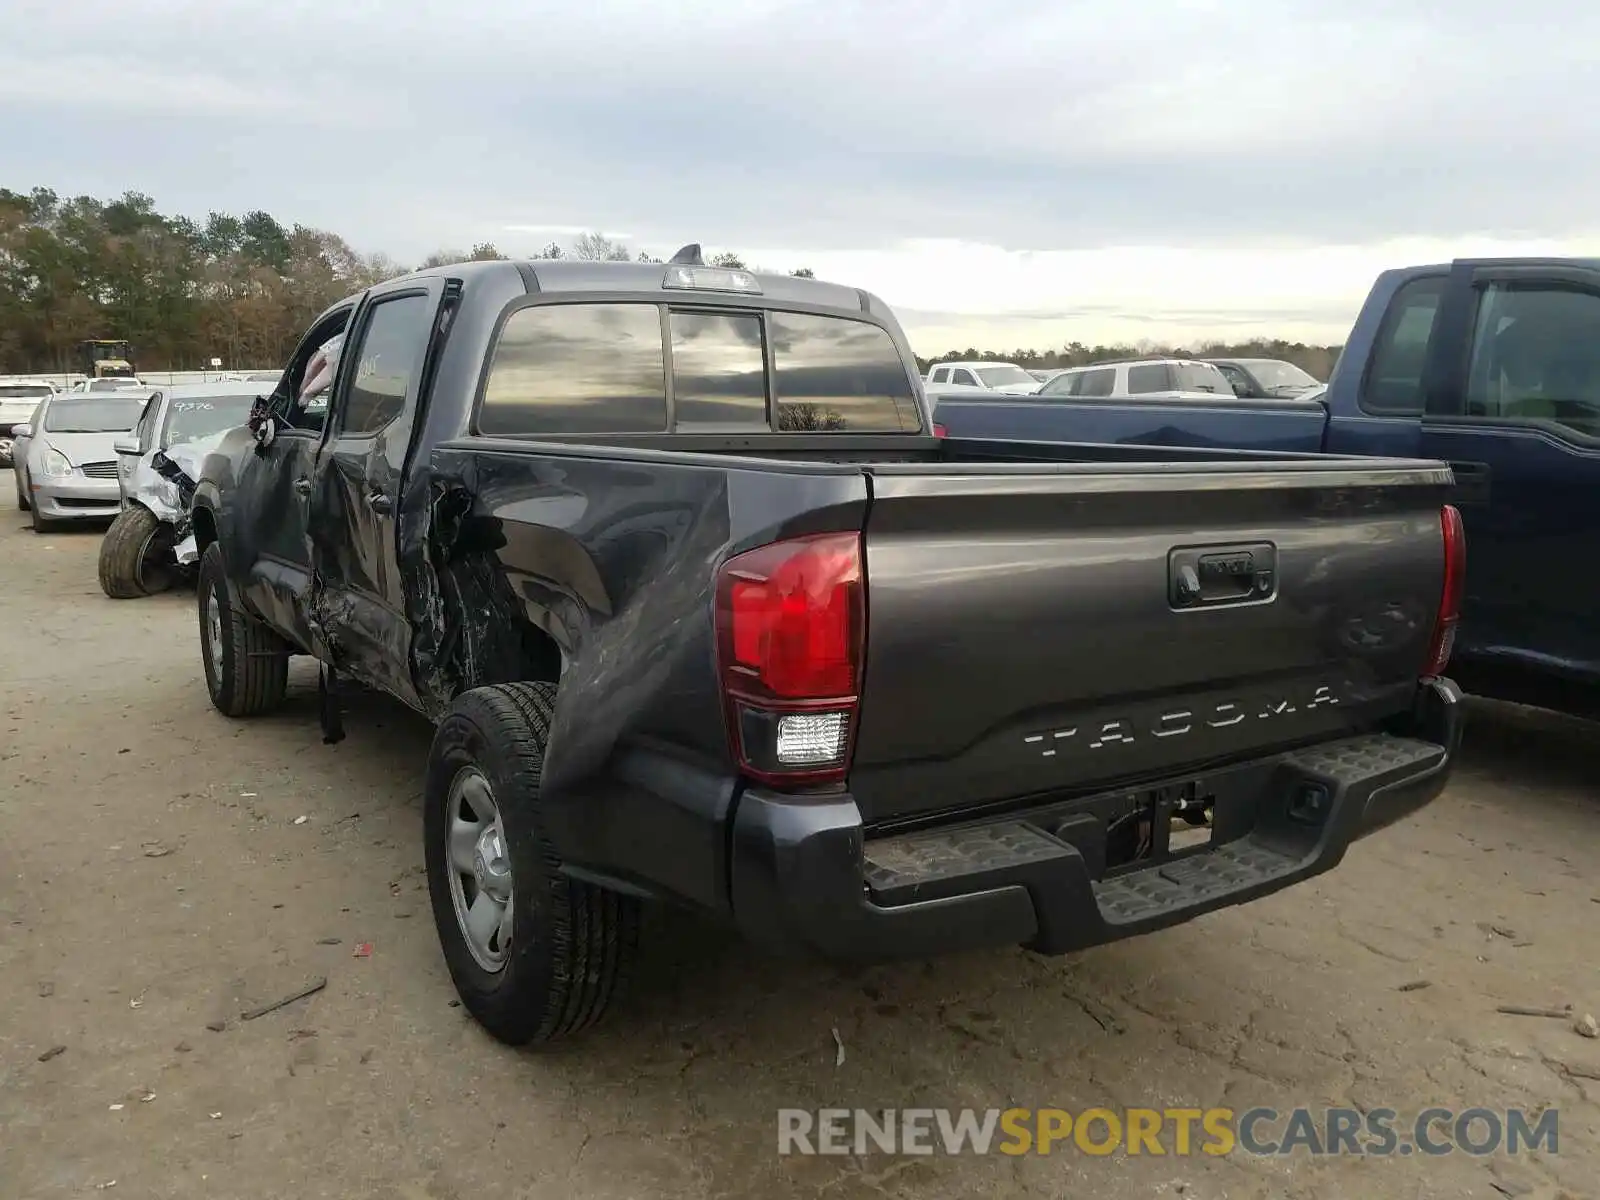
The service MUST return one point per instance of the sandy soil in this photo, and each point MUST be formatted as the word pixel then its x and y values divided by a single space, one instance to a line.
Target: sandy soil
pixel 154 884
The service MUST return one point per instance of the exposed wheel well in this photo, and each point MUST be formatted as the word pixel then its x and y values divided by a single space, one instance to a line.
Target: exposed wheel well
pixel 537 659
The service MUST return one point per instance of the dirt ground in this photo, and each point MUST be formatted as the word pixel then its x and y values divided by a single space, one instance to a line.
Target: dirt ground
pixel 163 869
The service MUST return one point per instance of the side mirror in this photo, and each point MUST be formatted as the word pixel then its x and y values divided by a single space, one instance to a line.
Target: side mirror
pixel 262 424
pixel 124 445
pixel 22 431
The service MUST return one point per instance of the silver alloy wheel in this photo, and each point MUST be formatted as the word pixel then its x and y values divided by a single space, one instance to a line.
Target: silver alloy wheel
pixel 479 858
pixel 214 635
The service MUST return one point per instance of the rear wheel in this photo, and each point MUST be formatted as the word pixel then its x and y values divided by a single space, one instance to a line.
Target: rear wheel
pixel 246 664
pixel 535 956
pixel 133 555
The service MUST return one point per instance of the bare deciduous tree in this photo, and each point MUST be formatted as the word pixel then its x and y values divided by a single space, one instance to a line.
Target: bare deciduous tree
pixel 597 247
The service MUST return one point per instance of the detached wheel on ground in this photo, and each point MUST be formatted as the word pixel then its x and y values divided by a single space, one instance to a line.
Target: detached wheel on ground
pixel 131 555
pixel 535 956
pixel 246 664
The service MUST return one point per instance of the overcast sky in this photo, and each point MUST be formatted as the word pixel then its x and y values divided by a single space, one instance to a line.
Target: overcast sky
pixel 1013 172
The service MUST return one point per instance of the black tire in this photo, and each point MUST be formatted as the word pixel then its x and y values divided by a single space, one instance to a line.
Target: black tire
pixel 22 497
pixel 124 572
pixel 253 670
pixel 572 944
pixel 40 524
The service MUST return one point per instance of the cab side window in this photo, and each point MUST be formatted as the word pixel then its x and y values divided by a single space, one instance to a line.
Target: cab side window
pixel 1237 379
pixel 311 412
pixel 1536 357
pixel 374 386
pixel 1146 378
pixel 1393 384
pixel 1096 384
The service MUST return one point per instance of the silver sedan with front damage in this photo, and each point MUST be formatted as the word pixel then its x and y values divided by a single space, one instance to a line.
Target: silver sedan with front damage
pixel 66 468
pixel 150 544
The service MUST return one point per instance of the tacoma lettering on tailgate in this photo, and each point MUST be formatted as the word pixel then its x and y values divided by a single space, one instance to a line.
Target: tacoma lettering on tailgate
pixel 1177 722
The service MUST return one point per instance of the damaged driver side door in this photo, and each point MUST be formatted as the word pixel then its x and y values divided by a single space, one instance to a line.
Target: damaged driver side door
pixel 270 502
pixel 359 604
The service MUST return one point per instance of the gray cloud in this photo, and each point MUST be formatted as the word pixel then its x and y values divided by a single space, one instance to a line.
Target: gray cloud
pixel 411 124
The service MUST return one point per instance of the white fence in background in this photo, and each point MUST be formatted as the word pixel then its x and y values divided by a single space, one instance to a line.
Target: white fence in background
pixel 154 378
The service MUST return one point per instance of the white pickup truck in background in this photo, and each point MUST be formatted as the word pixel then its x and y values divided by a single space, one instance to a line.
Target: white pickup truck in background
pixel 18 399
pixel 983 377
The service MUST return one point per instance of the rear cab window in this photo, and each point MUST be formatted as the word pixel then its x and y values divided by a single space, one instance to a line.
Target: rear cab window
pixel 626 367
pixel 719 372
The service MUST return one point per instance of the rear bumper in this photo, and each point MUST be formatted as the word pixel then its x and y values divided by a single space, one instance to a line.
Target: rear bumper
pixel 804 877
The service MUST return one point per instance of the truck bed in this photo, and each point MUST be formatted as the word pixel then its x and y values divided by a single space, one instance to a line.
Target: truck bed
pixel 1274 425
pixel 1023 634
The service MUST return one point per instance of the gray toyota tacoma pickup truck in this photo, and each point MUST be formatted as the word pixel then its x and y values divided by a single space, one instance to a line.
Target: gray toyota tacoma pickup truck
pixel 705 610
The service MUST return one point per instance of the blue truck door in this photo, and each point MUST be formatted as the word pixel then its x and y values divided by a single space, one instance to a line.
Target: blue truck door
pixel 1512 402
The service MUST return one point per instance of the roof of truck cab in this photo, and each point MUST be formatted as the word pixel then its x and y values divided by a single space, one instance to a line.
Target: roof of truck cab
pixel 579 275
pixel 1532 261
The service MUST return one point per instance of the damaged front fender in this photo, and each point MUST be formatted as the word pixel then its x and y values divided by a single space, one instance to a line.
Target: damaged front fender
pixel 163 481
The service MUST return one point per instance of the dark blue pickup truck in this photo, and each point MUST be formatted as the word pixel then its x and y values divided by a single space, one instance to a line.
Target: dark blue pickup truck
pixel 1490 365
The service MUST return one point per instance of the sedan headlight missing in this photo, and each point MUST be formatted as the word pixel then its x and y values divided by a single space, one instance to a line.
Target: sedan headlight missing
pixel 55 464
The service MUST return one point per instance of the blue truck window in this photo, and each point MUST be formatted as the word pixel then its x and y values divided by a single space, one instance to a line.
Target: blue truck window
pixel 577 368
pixel 1393 384
pixel 719 371
pixel 837 374
pixel 1536 358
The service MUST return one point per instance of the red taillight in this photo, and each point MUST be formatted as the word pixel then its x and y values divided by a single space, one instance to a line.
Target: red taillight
pixel 790 627
pixel 939 431
pixel 1455 578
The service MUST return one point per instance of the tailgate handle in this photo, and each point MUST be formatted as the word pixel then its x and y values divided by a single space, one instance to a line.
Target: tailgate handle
pixel 1216 576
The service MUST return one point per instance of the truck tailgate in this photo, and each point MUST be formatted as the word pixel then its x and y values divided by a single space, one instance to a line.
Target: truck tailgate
pixel 1044 629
